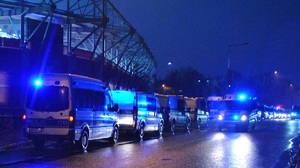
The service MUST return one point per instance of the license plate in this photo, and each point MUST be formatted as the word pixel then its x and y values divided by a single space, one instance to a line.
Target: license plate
pixel 36 130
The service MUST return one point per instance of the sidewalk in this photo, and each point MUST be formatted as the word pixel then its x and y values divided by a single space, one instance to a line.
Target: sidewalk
pixel 12 139
pixel 295 153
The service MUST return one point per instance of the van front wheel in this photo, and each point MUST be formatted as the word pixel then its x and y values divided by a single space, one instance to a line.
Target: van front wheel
pixel 199 123
pixel 115 136
pixel 84 140
pixel 173 125
pixel 160 129
pixel 141 132
pixel 188 124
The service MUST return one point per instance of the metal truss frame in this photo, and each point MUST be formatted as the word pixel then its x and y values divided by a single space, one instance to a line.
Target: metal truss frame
pixel 91 25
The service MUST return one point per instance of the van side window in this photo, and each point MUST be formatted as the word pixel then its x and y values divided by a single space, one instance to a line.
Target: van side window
pixel 99 100
pixel 181 105
pixel 108 102
pixel 84 98
pixel 151 104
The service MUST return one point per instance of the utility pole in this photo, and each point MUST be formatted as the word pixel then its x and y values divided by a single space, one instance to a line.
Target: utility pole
pixel 229 73
pixel 233 45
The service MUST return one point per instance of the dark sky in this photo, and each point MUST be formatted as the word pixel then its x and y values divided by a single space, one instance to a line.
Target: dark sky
pixel 197 33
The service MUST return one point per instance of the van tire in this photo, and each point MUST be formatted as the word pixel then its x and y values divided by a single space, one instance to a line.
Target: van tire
pixel 188 124
pixel 173 125
pixel 160 129
pixel 115 135
pixel 84 140
pixel 141 132
pixel 199 123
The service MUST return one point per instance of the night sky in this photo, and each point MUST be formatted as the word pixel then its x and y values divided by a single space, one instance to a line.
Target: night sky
pixel 197 33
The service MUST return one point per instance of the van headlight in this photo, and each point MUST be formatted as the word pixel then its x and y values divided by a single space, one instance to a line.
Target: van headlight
pixel 244 118
pixel 220 117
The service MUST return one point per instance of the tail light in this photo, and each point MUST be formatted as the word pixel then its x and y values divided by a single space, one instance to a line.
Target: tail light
pixel 72 119
pixel 24 117
pixel 134 119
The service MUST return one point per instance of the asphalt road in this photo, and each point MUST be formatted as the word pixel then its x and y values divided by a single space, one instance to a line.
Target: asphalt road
pixel 267 146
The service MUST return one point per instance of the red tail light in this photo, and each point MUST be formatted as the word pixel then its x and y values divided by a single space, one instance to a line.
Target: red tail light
pixel 134 119
pixel 24 117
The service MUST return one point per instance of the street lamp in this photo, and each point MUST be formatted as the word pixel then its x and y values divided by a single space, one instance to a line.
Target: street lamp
pixel 170 65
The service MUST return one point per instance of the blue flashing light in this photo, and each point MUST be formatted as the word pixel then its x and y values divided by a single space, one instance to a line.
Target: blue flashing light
pixel 236 117
pixel 242 97
pixel 38 82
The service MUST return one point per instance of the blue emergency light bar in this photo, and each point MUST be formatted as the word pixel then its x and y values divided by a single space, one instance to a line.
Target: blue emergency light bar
pixel 242 97
pixel 236 117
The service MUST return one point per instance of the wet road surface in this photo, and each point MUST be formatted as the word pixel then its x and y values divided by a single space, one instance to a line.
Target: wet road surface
pixel 267 146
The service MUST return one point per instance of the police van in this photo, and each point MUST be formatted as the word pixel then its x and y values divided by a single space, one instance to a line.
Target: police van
pixel 198 111
pixel 239 110
pixel 138 112
pixel 70 107
pixel 214 103
pixel 175 111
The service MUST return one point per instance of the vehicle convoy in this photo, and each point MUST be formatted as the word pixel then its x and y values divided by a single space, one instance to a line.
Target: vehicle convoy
pixel 70 107
pixel 238 110
pixel 175 111
pixel 138 112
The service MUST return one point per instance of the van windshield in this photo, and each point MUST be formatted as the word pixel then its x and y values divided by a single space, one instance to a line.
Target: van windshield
pixel 214 104
pixel 236 105
pixel 48 98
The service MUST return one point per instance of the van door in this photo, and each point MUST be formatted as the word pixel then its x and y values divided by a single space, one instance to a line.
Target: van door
pixel 111 116
pixel 142 109
pixel 181 115
pixel 152 119
pixel 102 119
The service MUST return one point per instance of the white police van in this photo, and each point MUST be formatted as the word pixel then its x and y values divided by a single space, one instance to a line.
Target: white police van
pixel 138 112
pixel 69 107
pixel 239 110
pixel 175 111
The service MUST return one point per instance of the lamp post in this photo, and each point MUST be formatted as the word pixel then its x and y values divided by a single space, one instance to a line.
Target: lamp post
pixel 170 64
pixel 233 45
pixel 229 75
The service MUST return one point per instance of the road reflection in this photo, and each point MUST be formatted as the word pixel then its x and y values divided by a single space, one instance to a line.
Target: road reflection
pixel 233 149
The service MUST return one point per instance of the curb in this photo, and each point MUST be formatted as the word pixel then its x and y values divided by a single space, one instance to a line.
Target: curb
pixel 16 145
